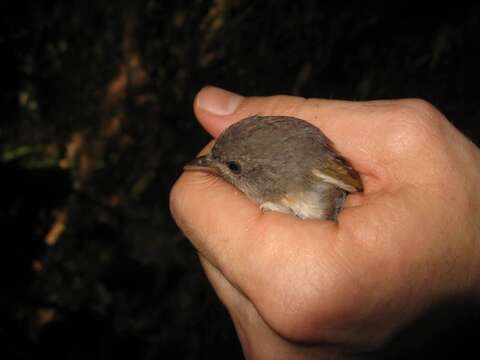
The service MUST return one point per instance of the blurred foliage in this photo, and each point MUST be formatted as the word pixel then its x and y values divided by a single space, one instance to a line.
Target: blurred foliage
pixel 97 124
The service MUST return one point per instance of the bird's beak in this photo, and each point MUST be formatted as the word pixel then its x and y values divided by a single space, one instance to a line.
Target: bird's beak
pixel 202 163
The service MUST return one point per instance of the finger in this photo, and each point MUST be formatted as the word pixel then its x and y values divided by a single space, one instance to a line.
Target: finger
pixel 232 297
pixel 240 240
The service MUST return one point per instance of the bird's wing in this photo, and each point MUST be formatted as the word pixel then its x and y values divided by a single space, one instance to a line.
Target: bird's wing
pixel 336 171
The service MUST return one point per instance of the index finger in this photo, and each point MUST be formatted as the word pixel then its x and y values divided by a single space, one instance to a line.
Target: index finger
pixel 239 239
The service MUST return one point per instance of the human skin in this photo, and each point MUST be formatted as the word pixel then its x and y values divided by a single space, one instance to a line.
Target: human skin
pixel 300 289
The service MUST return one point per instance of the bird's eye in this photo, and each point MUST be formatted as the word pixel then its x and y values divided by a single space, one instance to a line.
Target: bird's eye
pixel 234 167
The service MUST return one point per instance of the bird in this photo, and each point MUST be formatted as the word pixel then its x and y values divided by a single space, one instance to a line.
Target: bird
pixel 283 164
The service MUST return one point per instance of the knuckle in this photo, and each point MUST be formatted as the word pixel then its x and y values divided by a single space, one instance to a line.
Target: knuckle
pixel 414 123
pixel 418 113
pixel 420 107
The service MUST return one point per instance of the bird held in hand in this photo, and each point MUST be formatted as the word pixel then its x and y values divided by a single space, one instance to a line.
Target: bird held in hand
pixel 284 164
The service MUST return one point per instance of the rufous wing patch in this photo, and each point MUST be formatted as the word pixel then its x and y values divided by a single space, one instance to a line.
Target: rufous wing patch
pixel 337 173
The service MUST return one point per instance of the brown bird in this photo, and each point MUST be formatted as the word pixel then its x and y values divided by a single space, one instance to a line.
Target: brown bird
pixel 284 164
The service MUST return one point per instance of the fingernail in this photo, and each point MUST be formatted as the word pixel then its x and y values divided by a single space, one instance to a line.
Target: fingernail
pixel 218 101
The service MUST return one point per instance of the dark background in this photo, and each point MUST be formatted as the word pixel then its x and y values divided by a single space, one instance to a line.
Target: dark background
pixel 96 123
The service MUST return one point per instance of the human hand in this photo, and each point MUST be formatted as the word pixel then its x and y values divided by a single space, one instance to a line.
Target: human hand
pixel 410 240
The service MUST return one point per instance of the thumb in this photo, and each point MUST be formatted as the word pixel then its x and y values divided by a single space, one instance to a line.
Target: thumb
pixel 217 108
